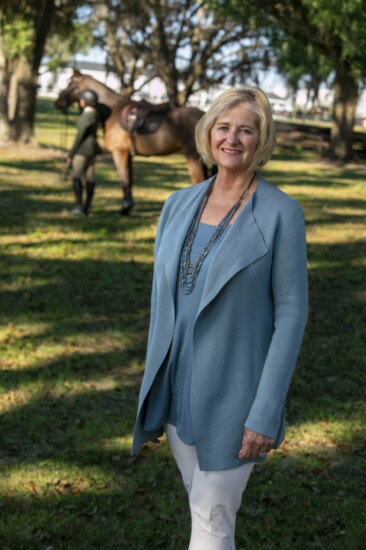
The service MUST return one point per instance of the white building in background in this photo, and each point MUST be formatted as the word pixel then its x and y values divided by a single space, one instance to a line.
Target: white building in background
pixel 51 84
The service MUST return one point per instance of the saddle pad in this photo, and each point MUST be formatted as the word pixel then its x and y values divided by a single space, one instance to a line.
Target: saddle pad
pixel 140 121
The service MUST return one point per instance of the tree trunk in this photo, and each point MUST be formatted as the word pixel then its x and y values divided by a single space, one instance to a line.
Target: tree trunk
pixel 18 79
pixel 22 103
pixel 172 92
pixel 4 86
pixel 344 108
pixel 18 90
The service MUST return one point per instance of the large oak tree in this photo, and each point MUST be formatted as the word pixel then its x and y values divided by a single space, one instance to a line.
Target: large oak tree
pixel 182 42
pixel 337 29
pixel 24 28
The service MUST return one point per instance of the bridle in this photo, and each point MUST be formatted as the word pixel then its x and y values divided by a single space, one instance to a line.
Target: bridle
pixel 66 93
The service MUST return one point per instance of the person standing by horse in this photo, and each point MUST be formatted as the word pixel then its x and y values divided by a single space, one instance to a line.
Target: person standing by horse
pixel 82 154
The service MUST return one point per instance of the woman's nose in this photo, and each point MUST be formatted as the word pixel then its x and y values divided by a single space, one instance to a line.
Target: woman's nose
pixel 232 137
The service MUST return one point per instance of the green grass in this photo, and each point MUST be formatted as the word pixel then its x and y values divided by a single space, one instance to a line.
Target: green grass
pixel 74 307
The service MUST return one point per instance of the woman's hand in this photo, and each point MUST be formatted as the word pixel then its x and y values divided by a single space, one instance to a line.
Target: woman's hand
pixel 254 445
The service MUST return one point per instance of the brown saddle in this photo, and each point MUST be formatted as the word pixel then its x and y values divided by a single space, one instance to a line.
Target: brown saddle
pixel 142 117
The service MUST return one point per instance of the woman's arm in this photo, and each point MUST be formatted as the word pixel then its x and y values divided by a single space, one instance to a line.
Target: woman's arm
pixel 289 288
pixel 83 125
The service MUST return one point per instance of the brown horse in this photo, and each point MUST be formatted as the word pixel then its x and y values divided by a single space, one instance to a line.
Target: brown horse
pixel 174 134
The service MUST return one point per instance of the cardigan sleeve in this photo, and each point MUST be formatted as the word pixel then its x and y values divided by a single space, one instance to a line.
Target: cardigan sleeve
pixel 289 288
pixel 159 233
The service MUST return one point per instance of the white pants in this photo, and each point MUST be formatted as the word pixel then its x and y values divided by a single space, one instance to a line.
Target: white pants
pixel 214 496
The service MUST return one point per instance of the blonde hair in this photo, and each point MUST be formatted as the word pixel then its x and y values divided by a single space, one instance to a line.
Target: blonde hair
pixel 253 99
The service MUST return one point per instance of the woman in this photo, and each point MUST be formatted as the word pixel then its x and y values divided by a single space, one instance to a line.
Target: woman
pixel 229 308
pixel 82 155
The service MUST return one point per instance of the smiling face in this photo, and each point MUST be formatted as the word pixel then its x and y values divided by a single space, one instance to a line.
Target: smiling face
pixel 234 139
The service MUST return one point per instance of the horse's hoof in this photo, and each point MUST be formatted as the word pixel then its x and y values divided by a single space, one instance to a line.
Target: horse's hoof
pixel 125 210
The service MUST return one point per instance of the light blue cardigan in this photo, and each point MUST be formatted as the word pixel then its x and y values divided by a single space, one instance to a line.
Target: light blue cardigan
pixel 249 325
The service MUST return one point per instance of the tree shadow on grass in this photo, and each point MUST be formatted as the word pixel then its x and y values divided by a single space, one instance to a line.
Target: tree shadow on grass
pixel 144 171
pixel 68 288
pixel 25 204
pixel 143 504
pixel 28 208
pixel 329 380
pixel 327 178
pixel 147 510
pixel 72 426
pixel 74 367
pixel 309 496
pixel 306 500
pixel 167 176
pixel 331 211
pixel 37 165
pixel 290 502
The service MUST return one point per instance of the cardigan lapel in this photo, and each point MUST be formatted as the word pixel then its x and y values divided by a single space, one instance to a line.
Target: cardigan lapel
pixel 242 245
pixel 176 232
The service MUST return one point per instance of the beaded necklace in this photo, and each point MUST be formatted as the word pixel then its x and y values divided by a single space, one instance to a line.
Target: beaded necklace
pixel 189 271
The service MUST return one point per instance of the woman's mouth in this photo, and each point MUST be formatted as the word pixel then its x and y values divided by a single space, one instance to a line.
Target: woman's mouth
pixel 231 151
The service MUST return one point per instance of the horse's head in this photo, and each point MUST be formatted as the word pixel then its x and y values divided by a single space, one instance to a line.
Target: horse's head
pixel 70 94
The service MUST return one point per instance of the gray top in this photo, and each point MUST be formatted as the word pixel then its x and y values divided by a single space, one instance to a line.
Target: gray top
pixel 169 398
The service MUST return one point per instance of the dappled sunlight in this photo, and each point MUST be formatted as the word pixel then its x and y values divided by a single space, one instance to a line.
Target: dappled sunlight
pixel 75 301
pixel 342 235
pixel 36 355
pixel 54 478
pixel 32 385
pixel 14 398
pixel 321 438
pixel 116 445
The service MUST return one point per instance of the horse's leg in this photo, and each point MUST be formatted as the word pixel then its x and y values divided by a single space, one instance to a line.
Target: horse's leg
pixel 123 162
pixel 128 201
pixel 196 169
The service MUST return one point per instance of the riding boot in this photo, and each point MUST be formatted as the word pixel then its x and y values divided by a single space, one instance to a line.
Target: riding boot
pixel 90 186
pixel 127 203
pixel 78 190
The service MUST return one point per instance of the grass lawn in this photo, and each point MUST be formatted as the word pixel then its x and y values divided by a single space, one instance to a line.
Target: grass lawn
pixel 74 307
